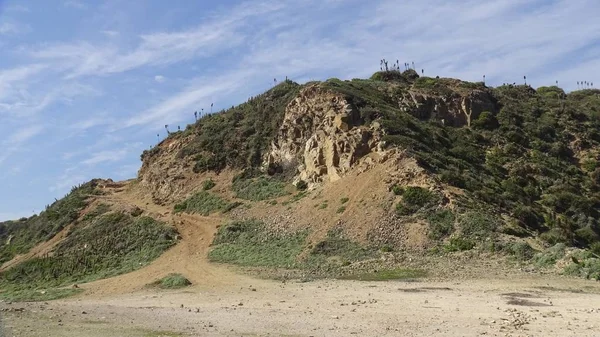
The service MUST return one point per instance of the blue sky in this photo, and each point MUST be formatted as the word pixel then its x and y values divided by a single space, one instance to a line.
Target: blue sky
pixel 85 86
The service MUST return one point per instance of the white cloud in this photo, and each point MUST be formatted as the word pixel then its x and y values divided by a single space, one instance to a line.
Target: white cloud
pixel 74 4
pixel 8 28
pixel 23 135
pixel 110 33
pixel 218 33
pixel 113 155
pixel 159 78
pixel 14 142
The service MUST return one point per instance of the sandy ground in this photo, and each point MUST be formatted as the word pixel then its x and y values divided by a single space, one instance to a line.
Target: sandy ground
pixel 527 306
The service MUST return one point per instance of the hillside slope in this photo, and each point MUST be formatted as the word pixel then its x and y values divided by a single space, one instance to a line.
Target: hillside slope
pixel 337 178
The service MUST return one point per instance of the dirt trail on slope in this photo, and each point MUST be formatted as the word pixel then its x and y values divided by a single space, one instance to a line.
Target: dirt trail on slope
pixel 188 257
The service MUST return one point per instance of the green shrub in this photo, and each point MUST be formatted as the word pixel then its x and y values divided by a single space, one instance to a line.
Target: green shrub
pixel 301 185
pixel 595 249
pixel 584 265
pixel 203 202
pixel 458 244
pixel 238 136
pixel 521 250
pixel 341 209
pixel 344 200
pixel 172 281
pixel 31 231
pixel 417 196
pixel 477 224
pixel 397 190
pixel 208 184
pixel 441 224
pixel 549 257
pixel 486 121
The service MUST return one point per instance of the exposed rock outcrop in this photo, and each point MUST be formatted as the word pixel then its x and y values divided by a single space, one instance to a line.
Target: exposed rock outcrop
pixel 322 137
pixel 163 172
pixel 456 108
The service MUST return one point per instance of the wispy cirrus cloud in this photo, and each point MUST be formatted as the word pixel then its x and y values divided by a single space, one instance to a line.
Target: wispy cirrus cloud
pixel 14 142
pixel 145 71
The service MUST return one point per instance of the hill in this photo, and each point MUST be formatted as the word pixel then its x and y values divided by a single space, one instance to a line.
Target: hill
pixel 338 178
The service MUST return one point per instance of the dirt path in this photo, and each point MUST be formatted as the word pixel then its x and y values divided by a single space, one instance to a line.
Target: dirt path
pixel 188 257
pixel 527 306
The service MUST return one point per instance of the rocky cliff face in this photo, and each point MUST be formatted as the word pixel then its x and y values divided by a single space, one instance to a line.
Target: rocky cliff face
pixel 455 108
pixel 322 137
pixel 163 172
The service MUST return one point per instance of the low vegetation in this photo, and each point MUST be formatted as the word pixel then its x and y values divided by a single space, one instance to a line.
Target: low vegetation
pixel 251 244
pixel 248 243
pixel 172 281
pixel 203 203
pixel 387 275
pixel 414 199
pixel 18 237
pixel 258 188
pixel 107 245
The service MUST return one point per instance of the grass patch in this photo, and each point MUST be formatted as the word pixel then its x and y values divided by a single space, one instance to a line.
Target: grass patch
pixel 248 243
pixel 344 200
pixel 258 189
pixel 295 198
pixel 36 295
pixel 341 209
pixel 172 281
pixel 203 203
pixel 387 275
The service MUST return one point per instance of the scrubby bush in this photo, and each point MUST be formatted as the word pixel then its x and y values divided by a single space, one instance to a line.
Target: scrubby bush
pixel 441 224
pixel 478 224
pixel 521 250
pixel 301 185
pixel 458 244
pixel 208 184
